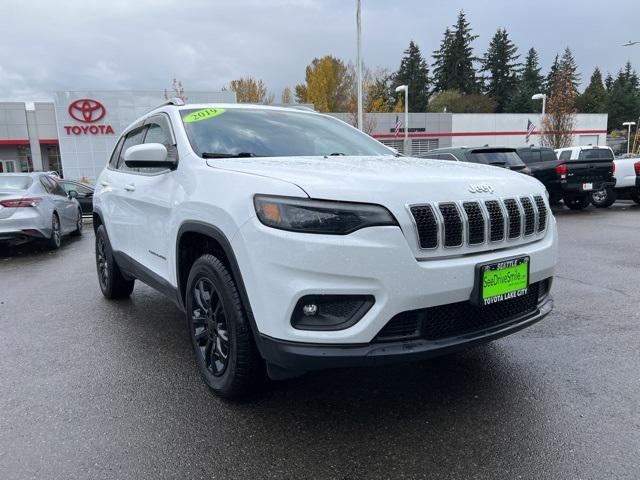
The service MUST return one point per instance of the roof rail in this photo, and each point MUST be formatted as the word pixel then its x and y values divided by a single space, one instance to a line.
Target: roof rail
pixel 178 102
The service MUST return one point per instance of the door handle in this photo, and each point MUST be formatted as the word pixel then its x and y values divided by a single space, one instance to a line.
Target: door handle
pixel 130 187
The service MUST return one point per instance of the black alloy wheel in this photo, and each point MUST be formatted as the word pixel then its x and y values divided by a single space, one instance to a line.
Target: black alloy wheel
pixel 79 226
pixel 209 327
pixel 113 283
pixel 220 330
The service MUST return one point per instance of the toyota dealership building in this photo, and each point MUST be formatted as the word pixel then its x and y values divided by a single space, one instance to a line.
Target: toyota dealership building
pixel 75 133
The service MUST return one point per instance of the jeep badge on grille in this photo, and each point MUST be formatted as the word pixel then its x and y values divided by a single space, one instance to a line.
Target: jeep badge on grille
pixel 480 188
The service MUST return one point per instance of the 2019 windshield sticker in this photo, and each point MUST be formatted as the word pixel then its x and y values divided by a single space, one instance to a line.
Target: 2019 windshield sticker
pixel 203 114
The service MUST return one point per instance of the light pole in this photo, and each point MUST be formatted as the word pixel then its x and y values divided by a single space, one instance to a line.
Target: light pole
pixel 405 89
pixel 628 125
pixel 359 66
pixel 543 97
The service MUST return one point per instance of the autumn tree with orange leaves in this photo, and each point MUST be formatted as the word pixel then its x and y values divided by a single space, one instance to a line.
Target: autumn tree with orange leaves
pixel 559 121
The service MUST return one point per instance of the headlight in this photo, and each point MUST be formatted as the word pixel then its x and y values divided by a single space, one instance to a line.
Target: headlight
pixel 319 216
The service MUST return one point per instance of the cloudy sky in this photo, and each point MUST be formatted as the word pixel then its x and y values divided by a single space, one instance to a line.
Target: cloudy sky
pixel 142 44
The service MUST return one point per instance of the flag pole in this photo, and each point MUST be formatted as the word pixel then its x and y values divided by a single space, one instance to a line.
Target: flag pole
pixel 359 66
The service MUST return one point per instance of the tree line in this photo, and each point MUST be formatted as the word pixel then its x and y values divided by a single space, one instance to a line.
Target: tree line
pixel 458 81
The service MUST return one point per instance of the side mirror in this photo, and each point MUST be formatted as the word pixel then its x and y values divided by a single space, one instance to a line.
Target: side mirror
pixel 72 194
pixel 148 155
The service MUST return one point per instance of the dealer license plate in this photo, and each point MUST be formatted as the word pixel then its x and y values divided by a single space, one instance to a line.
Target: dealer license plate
pixel 587 187
pixel 500 281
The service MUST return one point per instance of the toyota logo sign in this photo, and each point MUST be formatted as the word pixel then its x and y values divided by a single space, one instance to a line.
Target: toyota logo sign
pixel 86 110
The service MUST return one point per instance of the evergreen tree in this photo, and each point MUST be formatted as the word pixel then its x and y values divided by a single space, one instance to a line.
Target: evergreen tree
pixel 548 83
pixel 530 82
pixel 569 65
pixel 453 67
pixel 594 98
pixel 501 62
pixel 608 82
pixel 414 73
pixel 623 103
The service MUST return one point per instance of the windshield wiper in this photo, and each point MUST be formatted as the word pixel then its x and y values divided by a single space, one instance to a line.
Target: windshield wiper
pixel 337 154
pixel 228 155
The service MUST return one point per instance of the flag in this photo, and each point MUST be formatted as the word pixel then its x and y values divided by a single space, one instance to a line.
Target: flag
pixel 530 129
pixel 398 125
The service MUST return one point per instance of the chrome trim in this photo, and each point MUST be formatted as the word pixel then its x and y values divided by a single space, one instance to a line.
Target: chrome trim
pixel 415 225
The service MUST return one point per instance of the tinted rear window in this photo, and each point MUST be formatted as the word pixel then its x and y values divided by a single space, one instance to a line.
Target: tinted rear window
pixel 14 182
pixel 498 158
pixel 548 155
pixel 596 154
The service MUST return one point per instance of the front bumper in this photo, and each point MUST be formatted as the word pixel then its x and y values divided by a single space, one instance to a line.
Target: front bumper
pixel 302 357
pixel 278 268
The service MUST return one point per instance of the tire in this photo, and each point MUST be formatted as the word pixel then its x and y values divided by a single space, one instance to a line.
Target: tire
pixel 78 231
pixel 604 198
pixel 635 196
pixel 55 240
pixel 112 283
pixel 555 199
pixel 220 331
pixel 577 202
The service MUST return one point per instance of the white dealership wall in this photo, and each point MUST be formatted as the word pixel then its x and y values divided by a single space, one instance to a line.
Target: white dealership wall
pixel 84 155
pixel 509 130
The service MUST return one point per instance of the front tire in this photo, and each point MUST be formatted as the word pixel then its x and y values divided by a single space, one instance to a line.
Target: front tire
pixel 112 283
pixel 604 198
pixel 576 202
pixel 220 331
pixel 55 240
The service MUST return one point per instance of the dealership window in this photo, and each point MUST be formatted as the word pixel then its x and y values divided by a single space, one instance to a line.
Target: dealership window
pixel 24 158
pixel 53 159
pixel 396 144
pixel 420 146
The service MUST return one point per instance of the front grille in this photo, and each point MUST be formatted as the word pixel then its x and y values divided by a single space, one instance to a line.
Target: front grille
pixel 529 216
pixel 474 223
pixel 513 212
pixel 452 224
pixel 426 224
pixel 542 213
pixel 475 220
pixel 445 321
pixel 496 218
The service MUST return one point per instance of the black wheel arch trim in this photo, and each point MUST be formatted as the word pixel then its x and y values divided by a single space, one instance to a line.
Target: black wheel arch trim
pixel 195 226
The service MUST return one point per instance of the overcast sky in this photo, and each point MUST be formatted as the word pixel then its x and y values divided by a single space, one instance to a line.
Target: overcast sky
pixel 142 44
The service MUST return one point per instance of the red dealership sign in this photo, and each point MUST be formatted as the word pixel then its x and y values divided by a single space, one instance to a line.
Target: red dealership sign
pixel 87 110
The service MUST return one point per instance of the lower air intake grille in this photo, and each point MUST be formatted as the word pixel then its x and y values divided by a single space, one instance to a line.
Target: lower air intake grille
pixel 427 225
pixel 476 222
pixel 496 220
pixel 455 319
pixel 542 213
pixel 529 216
pixel 452 224
pixel 514 217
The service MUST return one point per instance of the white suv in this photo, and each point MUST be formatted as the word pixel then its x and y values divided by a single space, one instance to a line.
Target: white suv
pixel 291 240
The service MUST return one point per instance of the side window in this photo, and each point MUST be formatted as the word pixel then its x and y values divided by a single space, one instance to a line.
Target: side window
pixel 113 161
pixel 548 156
pixel 134 137
pixel 57 189
pixel 158 131
pixel 566 155
pixel 448 156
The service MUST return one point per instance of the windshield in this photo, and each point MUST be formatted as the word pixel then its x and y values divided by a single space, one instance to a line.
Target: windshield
pixel 596 154
pixel 274 133
pixel 14 182
pixel 497 157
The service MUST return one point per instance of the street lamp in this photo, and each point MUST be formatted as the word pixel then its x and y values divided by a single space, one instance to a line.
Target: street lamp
pixel 405 89
pixel 543 97
pixel 628 125
pixel 359 66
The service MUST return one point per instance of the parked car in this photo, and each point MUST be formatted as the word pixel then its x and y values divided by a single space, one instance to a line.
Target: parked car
pixel 542 162
pixel 497 156
pixel 580 171
pixel 35 206
pixel 84 194
pixel 291 239
pixel 627 176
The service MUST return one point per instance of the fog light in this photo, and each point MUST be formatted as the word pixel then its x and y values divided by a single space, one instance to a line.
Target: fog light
pixel 330 312
pixel 310 310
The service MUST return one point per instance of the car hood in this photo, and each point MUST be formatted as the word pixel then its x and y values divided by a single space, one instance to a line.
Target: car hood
pixel 392 181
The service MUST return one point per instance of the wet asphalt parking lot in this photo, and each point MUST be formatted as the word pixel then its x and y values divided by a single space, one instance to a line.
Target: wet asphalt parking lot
pixel 91 389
